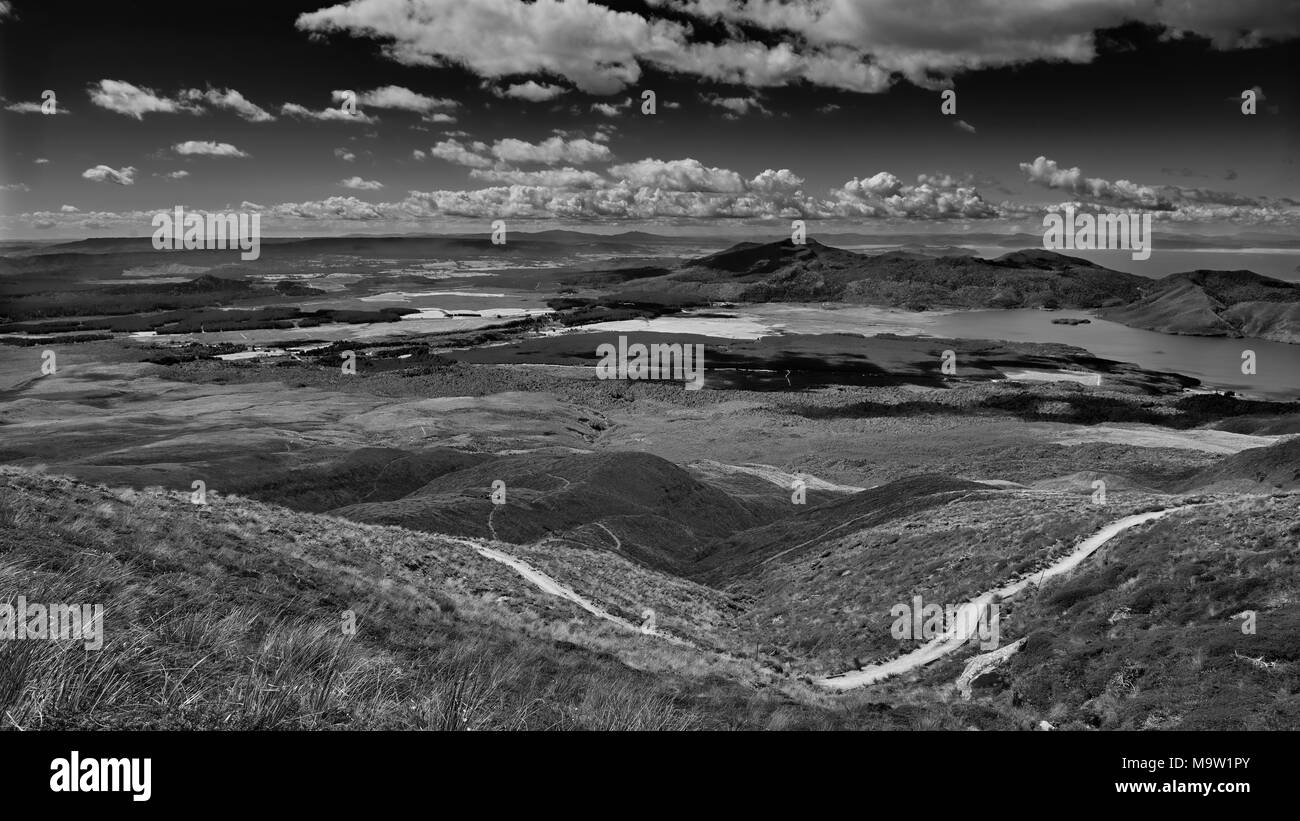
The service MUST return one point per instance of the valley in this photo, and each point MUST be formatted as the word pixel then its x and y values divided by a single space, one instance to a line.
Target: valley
pixel 524 545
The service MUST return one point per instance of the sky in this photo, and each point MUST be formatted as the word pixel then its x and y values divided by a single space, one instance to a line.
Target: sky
pixel 829 111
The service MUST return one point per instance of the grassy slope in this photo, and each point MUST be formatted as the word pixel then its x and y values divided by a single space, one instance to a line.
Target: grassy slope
pixel 229 616
pixel 1144 637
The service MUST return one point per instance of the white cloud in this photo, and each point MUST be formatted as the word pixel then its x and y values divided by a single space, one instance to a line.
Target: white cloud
pixel 857 45
pixel 550 151
pixel 344 154
pixel 105 173
pixel 884 195
pixel 458 153
pixel 554 178
pixel 207 148
pixel 679 175
pixel 611 109
pixel 398 97
pixel 361 185
pixel 41 161
pixel 965 126
pixel 33 108
pixel 960 35
pixel 1048 174
pixel 1125 194
pixel 331 208
pixel 326 114
pixel 135 101
pixel 15 186
pixel 736 106
pixel 230 100
pixel 177 175
pixel 532 91
pixel 418 154
pixel 69 209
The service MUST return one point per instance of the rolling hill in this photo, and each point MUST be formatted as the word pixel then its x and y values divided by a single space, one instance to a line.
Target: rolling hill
pixel 635 504
pixel 1217 303
pixel 785 272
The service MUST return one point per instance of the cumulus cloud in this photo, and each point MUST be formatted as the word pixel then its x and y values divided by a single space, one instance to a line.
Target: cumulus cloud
pixel 531 91
pixel 417 154
pixel 962 35
pixel 326 114
pixel 69 209
pixel 965 126
pixel 344 154
pixel 467 154
pixel 686 189
pixel 886 196
pixel 347 208
pixel 736 107
pixel 848 44
pixel 679 175
pixel 550 151
pixel 554 178
pixel 41 161
pixel 1175 202
pixel 105 173
pixel 177 175
pixel 361 185
pixel 230 100
pixel 207 148
pixel 136 101
pixel 14 186
pixel 611 109
pixel 400 98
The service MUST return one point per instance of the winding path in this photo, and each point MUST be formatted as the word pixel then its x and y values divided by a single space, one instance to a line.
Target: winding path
pixel 965 625
pixel 550 586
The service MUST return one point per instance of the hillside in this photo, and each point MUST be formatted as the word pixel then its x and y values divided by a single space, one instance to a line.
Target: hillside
pixel 249 598
pixel 638 505
pixel 1153 633
pixel 785 272
pixel 1217 303
pixel 1201 302
pixel 229 616
pixel 1276 467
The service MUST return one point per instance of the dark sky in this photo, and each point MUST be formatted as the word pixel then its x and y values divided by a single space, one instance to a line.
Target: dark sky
pixel 1124 114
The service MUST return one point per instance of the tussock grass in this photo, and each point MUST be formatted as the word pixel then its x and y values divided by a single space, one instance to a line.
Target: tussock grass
pixel 234 622
pixel 229 616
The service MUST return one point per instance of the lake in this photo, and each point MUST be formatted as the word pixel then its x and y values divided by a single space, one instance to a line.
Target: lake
pixel 1214 360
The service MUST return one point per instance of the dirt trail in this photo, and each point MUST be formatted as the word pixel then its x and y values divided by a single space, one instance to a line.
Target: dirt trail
pixel 550 586
pixel 966 624
pixel 774 475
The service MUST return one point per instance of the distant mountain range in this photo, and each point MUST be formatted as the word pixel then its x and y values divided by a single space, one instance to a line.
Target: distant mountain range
pixel 1201 303
pixel 920 275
